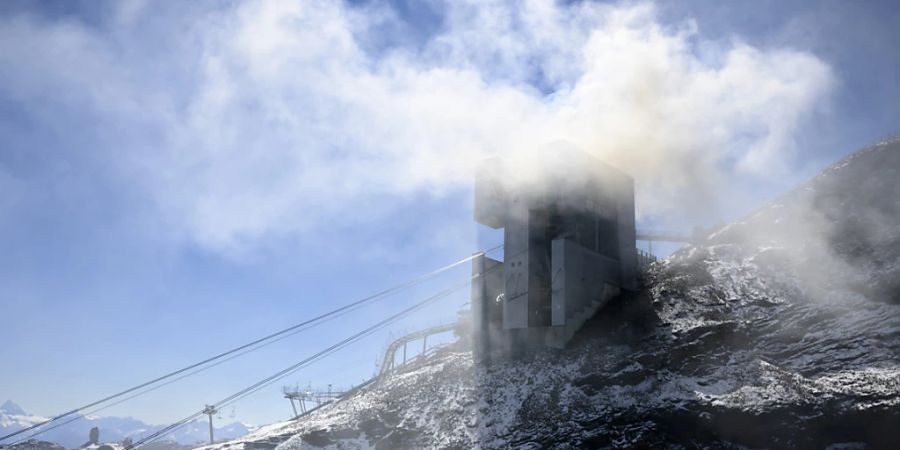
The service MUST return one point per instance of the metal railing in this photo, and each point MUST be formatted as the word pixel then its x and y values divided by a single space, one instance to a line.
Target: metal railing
pixel 388 365
pixel 644 259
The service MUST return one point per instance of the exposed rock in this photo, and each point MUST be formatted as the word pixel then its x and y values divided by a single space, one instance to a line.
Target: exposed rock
pixel 779 331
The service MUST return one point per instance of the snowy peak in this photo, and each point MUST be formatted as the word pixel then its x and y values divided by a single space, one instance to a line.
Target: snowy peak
pixel 112 429
pixel 12 409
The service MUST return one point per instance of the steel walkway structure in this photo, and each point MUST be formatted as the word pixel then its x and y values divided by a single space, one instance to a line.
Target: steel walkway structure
pixel 390 355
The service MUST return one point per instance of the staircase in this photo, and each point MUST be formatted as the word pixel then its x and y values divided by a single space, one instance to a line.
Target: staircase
pixel 559 336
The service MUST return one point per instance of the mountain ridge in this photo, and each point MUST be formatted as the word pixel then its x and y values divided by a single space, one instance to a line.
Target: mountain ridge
pixel 9 407
pixel 112 428
pixel 780 330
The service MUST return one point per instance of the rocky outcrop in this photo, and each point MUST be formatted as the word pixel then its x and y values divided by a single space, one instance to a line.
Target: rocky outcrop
pixel 779 331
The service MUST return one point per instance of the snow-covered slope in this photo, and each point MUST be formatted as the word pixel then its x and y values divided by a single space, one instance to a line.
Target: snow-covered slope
pixel 782 330
pixel 112 429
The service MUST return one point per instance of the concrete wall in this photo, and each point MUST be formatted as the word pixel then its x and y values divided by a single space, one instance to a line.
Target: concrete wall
pixel 568 243
pixel 517 259
pixel 491 200
pixel 627 234
pixel 580 277
pixel 487 310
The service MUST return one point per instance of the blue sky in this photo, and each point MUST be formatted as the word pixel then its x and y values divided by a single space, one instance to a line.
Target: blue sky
pixel 177 179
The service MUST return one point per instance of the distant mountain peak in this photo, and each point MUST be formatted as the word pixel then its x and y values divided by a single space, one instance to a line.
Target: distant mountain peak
pixel 12 409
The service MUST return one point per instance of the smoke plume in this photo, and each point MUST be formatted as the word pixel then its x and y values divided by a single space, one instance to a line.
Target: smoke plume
pixel 273 117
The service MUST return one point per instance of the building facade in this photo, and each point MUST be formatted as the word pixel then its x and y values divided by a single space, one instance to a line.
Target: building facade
pixel 569 247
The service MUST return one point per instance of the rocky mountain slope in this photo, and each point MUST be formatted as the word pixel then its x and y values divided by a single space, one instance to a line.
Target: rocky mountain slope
pixel 781 330
pixel 112 429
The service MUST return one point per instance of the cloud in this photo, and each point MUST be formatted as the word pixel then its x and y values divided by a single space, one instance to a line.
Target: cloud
pixel 271 118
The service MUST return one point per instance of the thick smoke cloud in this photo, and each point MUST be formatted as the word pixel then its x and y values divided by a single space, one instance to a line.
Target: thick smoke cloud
pixel 836 234
pixel 270 118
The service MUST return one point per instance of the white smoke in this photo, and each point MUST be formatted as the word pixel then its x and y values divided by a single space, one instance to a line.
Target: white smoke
pixel 274 117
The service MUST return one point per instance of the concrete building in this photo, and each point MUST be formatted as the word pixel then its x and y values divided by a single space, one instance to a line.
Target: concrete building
pixel 569 247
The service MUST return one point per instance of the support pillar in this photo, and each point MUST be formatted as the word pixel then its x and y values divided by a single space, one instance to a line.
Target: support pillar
pixel 210 410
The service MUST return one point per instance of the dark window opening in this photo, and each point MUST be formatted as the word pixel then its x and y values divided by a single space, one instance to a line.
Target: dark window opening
pixel 608 238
